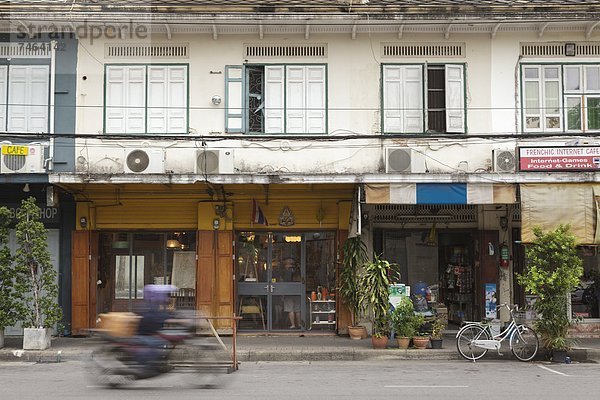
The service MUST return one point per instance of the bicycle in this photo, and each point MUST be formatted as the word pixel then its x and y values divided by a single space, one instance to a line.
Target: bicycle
pixel 474 339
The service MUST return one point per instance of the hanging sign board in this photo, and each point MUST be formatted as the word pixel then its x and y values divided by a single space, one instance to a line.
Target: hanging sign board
pixel 397 291
pixel 581 158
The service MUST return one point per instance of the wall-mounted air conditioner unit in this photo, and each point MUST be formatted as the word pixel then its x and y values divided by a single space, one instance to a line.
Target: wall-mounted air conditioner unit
pixel 212 162
pixel 144 161
pixel 504 160
pixel 22 159
pixel 404 160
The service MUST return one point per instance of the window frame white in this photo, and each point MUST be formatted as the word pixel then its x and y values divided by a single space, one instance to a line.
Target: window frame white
pixel 406 111
pixel 163 115
pixel 279 88
pixel 25 97
pixel 578 91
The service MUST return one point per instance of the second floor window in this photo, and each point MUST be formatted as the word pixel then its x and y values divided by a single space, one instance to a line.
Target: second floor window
pixel 561 98
pixel 146 99
pixel 24 98
pixel 276 99
pixel 423 98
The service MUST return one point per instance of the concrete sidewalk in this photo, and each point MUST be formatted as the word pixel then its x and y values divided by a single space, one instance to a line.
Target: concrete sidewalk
pixel 295 347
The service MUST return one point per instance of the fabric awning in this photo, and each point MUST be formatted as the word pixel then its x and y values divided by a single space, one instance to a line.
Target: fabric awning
pixel 440 193
pixel 549 205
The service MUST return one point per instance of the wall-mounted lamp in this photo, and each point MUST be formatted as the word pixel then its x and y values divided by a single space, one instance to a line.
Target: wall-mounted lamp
pixel 503 223
pixel 173 244
pixel 26 188
pixel 570 49
pixel 83 222
pixel 216 99
pixel 216 223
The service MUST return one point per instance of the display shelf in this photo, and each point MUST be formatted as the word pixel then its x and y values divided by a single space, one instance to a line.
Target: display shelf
pixel 322 312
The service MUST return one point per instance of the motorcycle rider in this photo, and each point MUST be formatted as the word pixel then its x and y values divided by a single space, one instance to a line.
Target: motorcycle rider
pixel 154 313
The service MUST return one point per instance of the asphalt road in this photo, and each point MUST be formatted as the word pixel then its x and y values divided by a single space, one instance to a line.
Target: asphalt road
pixel 491 379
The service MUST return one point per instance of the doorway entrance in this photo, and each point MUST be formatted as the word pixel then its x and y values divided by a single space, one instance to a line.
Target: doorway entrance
pixel 275 274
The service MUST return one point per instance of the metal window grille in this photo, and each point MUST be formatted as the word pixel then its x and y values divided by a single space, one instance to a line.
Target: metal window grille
pixel 153 50
pixel 285 51
pixel 423 50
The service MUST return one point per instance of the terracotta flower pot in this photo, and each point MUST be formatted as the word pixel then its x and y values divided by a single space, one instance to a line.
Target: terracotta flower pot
pixel 357 332
pixel 420 342
pixel 379 342
pixel 403 342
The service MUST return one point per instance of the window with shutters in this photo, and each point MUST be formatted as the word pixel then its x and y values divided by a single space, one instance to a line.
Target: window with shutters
pixel 276 99
pixel 421 98
pixel 560 97
pixel 143 99
pixel 24 98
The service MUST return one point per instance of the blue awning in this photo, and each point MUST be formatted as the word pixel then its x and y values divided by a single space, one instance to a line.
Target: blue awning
pixel 441 193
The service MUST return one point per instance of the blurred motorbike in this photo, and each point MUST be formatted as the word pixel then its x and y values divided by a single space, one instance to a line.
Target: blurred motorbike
pixel 119 360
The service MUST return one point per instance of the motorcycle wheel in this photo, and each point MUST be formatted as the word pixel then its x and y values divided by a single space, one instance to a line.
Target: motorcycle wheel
pixel 105 369
pixel 208 372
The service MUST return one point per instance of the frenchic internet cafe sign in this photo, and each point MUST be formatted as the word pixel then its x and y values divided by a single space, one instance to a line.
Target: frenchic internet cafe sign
pixel 581 158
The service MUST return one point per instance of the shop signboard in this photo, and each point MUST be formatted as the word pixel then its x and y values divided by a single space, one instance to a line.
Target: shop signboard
pixel 559 158
pixel 48 215
pixel 490 300
pixel 397 291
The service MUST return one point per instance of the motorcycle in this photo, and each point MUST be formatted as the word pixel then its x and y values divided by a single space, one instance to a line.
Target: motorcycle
pixel 118 361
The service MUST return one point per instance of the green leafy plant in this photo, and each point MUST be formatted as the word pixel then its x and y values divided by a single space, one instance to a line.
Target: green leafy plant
pixel 8 296
pixel 374 294
pixel 437 327
pixel 552 271
pixel 419 321
pixel 354 258
pixel 404 320
pixel 35 276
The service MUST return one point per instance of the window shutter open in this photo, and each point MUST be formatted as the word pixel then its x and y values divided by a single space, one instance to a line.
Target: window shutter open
pixel 274 99
pixel 412 98
pixel 403 98
pixel 315 99
pixel 455 104
pixel 392 87
pixel 3 83
pixel 295 99
pixel 234 111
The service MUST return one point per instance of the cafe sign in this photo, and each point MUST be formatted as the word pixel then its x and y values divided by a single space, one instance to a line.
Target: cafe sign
pixel 581 158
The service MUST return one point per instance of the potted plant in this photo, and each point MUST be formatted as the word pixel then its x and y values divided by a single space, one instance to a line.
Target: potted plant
pixel 35 280
pixel 8 315
pixel 552 271
pixel 354 258
pixel 437 327
pixel 421 337
pixel 403 322
pixel 374 297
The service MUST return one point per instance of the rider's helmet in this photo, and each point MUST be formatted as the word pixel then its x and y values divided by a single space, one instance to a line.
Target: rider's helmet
pixel 158 295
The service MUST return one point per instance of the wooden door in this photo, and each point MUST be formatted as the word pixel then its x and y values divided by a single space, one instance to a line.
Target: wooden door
pixel 488 268
pixel 83 281
pixel 343 313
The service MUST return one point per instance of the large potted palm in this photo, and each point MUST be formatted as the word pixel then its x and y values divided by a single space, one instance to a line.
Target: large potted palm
pixel 354 258
pixel 375 298
pixel 35 280
pixel 553 269
pixel 8 314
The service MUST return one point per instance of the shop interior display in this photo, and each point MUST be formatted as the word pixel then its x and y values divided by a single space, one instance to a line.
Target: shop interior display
pixel 457 283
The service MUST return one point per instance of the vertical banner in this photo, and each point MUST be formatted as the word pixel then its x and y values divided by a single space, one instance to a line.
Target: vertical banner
pixel 490 300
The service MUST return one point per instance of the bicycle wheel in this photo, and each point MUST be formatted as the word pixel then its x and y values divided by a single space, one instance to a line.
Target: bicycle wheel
pixel 524 343
pixel 464 342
